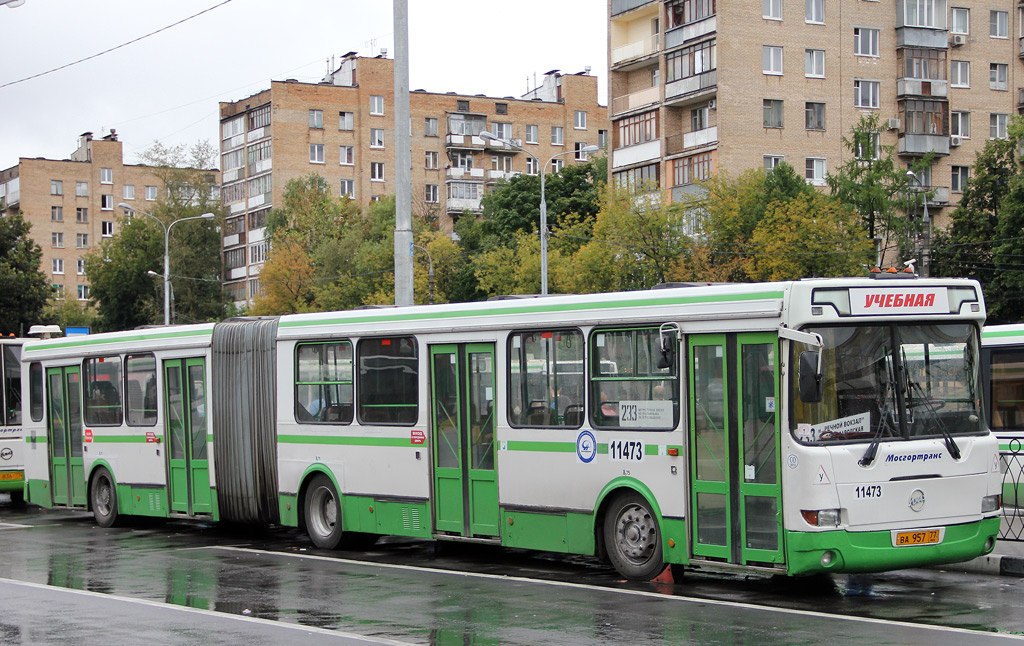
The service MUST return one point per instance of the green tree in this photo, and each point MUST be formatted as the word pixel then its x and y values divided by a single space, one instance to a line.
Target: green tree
pixel 70 312
pixel 24 289
pixel 127 295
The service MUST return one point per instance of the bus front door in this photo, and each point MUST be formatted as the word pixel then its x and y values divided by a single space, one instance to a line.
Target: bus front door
pixel 64 435
pixel 734 449
pixel 462 440
pixel 188 464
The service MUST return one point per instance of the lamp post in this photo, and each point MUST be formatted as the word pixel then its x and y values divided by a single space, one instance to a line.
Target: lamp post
pixel 167 252
pixel 543 201
pixel 926 225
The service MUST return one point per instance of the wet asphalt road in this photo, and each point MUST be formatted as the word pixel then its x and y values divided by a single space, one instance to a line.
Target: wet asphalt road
pixel 65 580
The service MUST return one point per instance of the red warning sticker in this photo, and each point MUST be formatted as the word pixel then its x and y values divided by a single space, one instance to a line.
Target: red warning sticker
pixel 418 437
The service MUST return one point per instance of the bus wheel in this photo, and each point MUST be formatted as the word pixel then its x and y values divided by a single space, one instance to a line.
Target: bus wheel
pixel 633 538
pixel 103 497
pixel 323 513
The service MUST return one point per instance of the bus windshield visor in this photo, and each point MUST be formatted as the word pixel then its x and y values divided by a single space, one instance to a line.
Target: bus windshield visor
pixel 887 382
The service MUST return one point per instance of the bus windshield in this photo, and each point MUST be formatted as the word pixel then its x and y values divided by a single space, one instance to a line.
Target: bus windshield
pixel 889 382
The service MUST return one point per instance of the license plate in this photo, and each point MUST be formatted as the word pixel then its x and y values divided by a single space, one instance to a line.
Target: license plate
pixel 923 537
pixel 11 475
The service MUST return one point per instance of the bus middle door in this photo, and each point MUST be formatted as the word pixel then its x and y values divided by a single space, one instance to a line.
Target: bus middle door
pixel 188 464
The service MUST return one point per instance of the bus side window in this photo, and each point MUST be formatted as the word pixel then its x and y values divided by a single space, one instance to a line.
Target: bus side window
pixel 35 391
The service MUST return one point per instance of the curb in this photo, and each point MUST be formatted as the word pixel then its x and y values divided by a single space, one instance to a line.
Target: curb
pixel 998 564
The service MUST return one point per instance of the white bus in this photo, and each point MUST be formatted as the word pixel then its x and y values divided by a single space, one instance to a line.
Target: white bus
pixel 12 476
pixel 788 428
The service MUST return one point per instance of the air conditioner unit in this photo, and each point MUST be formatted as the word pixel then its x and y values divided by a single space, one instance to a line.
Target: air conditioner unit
pixel 954 140
pixel 959 39
pixel 893 124
pixel 712 104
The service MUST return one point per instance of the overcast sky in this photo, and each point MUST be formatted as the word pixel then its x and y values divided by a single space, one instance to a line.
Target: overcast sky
pixel 166 87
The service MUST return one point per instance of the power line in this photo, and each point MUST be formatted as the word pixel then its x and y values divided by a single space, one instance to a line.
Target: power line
pixel 107 51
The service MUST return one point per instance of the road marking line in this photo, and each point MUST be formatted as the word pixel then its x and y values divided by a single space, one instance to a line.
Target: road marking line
pixel 211 613
pixel 15 526
pixel 636 593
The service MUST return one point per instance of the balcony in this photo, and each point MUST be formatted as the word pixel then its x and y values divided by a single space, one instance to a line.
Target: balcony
pixel 939 195
pixel 675 144
pixel 464 173
pixel 1021 48
pixel 691 87
pixel 1020 98
pixel 499 175
pixel 922 37
pixel 471 142
pixel 636 49
pixel 678 36
pixel 937 88
pixel 636 154
pixel 636 100
pixel 460 204
pixel 494 144
pixel 688 191
pixel 622 6
pixel 921 144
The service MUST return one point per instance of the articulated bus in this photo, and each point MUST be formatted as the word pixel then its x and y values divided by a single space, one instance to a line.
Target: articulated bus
pixel 826 425
pixel 12 476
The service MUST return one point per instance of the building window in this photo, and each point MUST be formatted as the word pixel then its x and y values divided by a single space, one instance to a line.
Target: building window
pixel 81 189
pixel 376 104
pixel 691 61
pixel 347 155
pixel 924 117
pixel 376 137
pixel 580 155
pixel 316 119
pixel 234 226
pixel 814 63
pixel 345 121
pixel 234 258
pixel 771 59
pixel 865 41
pixel 502 163
pixel 257 153
pixel 316 153
pixel 557 165
pixel 532 166
pixel 580 121
pixel 639 180
pixel 106 202
pixel 500 108
pixel 865 94
pixel 107 228
pixel 814 116
pixel 58 266
pixel 556 136
pixel 128 191
pixel 257 253
pixel 56 214
pixel 998 22
pixel 57 240
pixel 348 188
pixel 771 9
pixel 430 127
pixel 106 176
pixel 150 193
pixel 260 185
pixel 56 187
pixel 430 160
pixel 82 215
pixel 684 12
pixel 259 117
pixel 997 76
pixel 462 105
pixel 926 64
pixel 602 139
pixel 532 134
pixel 258 219
pixel 772 161
pixel 997 126
pixel 921 13
pixel 699 118
pixel 772 113
pixel 82 240
pixel 958 179
pixel 960 123
pixel 655 77
pixel 233 192
pixel 815 171
pixel 230 129
pixel 692 169
pixel 868 147
pixel 83 292
pixel 464 191
pixel 377 171
pixel 431 196
pixel 960 73
pixel 636 129
pixel 81 266
pixel 462 160
pixel 815 11
pixel 960 21
pixel 502 130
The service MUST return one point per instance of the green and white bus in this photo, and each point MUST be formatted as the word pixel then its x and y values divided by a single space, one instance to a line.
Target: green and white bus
pixel 12 444
pixel 788 428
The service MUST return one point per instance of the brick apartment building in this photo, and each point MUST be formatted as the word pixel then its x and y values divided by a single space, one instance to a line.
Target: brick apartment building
pixel 701 86
pixel 72 204
pixel 343 129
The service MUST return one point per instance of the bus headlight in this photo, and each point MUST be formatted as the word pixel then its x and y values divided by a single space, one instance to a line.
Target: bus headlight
pixel 991 503
pixel 821 517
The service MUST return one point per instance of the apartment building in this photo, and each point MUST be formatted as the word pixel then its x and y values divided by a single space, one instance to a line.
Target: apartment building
pixel 72 204
pixel 343 129
pixel 705 86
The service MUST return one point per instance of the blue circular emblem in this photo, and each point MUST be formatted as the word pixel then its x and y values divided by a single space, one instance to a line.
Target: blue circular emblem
pixel 586 447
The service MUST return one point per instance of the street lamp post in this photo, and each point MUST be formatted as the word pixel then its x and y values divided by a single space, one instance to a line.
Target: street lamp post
pixel 543 201
pixel 926 225
pixel 167 251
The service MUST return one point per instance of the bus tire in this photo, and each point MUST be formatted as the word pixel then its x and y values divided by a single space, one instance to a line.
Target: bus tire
pixel 103 498
pixel 323 513
pixel 633 538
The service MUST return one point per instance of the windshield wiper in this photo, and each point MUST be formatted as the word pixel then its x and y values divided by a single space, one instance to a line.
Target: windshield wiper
pixel 932 407
pixel 886 410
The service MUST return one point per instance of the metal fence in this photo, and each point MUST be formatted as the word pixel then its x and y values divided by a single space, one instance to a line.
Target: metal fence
pixel 1012 527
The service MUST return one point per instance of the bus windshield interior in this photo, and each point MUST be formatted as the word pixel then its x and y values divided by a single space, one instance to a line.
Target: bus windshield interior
pixel 890 382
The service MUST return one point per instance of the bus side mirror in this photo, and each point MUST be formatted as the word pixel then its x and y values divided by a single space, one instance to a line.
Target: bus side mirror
pixel 666 358
pixel 809 377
